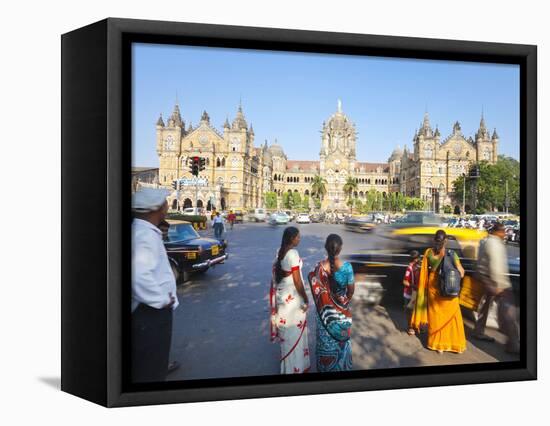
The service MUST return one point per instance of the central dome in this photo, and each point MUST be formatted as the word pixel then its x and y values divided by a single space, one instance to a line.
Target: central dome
pixel 338 120
pixel 276 150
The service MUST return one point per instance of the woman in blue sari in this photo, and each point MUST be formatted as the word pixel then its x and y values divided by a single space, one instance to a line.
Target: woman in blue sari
pixel 332 285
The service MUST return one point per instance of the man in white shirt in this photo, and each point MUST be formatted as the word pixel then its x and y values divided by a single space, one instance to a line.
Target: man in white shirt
pixel 153 288
pixel 493 273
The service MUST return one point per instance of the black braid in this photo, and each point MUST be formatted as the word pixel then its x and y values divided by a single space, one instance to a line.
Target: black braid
pixel 288 236
pixel 333 246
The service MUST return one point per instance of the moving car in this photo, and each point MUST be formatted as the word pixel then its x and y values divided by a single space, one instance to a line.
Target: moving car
pixel 383 269
pixel 257 215
pixel 303 218
pixel 359 223
pixel 279 218
pixel 190 253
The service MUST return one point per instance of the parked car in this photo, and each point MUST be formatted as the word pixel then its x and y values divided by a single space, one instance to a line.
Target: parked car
pixel 303 218
pixel 239 216
pixel 190 253
pixel 192 211
pixel 257 215
pixel 279 218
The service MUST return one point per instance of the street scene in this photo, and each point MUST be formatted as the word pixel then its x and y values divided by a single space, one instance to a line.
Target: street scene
pixel 236 294
pixel 368 219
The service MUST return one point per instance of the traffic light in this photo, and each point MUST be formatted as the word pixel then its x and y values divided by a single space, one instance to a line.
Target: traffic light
pixel 194 166
pixel 202 164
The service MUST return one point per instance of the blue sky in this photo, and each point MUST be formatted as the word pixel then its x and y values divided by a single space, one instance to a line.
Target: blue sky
pixel 287 96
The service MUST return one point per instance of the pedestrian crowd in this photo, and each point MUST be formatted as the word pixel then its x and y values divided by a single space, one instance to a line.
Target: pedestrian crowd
pixel 432 284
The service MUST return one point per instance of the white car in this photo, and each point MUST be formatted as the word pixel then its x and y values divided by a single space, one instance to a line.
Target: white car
pixel 303 218
pixel 257 215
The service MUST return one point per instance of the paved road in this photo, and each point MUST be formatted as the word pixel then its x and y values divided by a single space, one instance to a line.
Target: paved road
pixel 221 327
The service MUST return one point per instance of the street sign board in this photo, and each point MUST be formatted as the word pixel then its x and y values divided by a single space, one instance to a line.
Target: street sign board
pixel 193 181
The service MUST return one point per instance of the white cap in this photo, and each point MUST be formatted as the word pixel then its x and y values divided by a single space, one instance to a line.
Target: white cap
pixel 149 199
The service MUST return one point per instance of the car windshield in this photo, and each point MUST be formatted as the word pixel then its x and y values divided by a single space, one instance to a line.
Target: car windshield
pixel 182 232
pixel 421 218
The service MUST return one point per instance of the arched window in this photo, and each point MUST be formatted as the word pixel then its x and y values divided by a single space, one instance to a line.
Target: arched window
pixel 428 151
pixel 223 162
pixel 218 163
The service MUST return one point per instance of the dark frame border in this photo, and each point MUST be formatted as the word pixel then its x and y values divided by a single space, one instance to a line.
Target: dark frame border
pixel 107 47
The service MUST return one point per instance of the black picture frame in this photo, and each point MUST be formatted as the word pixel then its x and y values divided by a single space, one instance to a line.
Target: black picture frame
pixel 96 144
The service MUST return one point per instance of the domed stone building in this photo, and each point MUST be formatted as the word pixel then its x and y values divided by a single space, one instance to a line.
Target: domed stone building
pixel 238 174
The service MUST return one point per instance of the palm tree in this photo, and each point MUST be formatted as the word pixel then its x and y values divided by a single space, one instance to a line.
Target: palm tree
pixel 319 187
pixel 349 187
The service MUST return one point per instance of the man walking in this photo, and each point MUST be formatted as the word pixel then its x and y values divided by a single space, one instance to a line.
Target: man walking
pixel 153 288
pixel 218 226
pixel 493 274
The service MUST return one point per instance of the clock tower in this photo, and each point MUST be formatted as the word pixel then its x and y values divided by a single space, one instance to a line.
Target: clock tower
pixel 337 156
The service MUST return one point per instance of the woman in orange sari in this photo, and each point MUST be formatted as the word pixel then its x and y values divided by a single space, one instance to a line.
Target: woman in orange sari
pixel 442 315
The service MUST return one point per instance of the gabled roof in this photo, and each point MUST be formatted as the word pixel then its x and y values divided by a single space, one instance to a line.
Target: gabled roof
pixel 302 166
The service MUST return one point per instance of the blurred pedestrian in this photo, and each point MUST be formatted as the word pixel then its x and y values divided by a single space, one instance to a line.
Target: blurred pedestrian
pixel 218 226
pixel 410 288
pixel 441 314
pixel 492 273
pixel 153 289
pixel 333 284
pixel 289 304
pixel 231 218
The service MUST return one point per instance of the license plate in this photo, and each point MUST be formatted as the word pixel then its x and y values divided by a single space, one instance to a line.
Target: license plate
pixel 215 250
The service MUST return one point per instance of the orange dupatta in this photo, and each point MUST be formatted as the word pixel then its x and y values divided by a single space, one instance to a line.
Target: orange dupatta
pixel 420 313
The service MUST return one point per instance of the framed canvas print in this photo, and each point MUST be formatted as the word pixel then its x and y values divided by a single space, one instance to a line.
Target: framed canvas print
pixel 255 212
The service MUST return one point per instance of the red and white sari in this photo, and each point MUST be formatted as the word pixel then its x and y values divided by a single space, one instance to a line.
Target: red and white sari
pixel 289 325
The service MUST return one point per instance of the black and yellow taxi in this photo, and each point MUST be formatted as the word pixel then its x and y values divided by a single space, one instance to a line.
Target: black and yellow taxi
pixel 189 252
pixel 383 268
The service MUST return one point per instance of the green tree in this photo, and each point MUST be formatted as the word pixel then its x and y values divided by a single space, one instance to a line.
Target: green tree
pixel 288 200
pixel 271 200
pixel 491 193
pixel 319 187
pixel 349 187
pixel 296 200
pixel 305 202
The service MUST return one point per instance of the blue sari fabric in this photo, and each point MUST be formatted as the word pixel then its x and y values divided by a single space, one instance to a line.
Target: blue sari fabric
pixel 334 355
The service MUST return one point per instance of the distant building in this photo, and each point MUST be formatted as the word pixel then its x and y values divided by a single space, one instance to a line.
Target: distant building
pixel 239 174
pixel 144 176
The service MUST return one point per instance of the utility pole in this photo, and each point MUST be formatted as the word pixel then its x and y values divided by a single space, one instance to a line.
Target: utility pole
pixel 507 201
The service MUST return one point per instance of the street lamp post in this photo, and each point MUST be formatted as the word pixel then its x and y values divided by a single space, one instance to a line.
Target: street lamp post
pixel 506 201
pixel 463 193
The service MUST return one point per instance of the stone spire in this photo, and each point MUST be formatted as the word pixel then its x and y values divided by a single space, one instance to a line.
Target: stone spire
pixel 226 124
pixel 426 122
pixel 251 130
pixel 205 117
pixel 160 121
pixel 495 135
pixel 239 122
pixel 175 118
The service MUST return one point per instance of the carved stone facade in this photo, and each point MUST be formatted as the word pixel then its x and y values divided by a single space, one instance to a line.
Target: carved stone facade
pixel 430 170
pixel 239 174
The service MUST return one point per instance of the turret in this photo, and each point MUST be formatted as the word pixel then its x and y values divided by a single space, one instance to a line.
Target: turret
pixel 175 119
pixel 160 121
